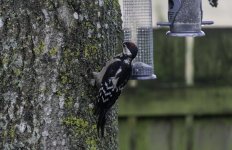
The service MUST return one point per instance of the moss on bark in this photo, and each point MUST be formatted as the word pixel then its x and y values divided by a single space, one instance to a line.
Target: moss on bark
pixel 48 50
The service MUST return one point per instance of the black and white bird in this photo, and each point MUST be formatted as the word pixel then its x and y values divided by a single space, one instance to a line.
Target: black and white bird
pixel 111 80
pixel 213 3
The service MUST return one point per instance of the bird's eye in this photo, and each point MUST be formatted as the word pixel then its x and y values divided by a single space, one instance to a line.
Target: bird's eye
pixel 124 45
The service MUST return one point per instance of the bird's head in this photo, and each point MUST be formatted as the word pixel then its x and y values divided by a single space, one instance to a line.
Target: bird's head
pixel 130 49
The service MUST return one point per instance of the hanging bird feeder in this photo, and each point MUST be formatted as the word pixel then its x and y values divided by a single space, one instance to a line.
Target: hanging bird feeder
pixel 137 26
pixel 185 18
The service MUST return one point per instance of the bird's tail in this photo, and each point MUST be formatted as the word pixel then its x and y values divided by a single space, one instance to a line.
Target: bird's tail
pixel 101 122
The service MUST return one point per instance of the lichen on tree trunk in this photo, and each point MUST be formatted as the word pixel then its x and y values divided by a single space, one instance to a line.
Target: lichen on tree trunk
pixel 48 50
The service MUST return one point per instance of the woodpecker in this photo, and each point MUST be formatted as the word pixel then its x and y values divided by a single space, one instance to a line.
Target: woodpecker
pixel 213 3
pixel 111 80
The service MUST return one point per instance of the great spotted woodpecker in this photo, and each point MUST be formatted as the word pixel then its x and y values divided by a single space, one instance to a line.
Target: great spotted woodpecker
pixel 111 80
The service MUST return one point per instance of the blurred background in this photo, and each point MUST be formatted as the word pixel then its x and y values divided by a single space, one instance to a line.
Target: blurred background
pixel 189 105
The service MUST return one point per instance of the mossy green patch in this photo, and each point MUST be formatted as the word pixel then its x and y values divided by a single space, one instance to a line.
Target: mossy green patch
pixel 53 51
pixel 8 134
pixel 17 71
pixel 12 132
pixel 40 49
pixel 69 55
pixel 64 79
pixel 90 50
pixel 79 125
pixel 91 143
pixel 69 102
pixel 88 25
pixel 59 93
pixel 5 60
pixel 4 135
pixel 74 121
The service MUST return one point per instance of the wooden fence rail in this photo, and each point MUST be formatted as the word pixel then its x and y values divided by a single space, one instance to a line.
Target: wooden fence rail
pixel 166 114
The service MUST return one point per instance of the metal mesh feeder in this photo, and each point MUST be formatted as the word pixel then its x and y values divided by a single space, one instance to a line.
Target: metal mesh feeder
pixel 137 26
pixel 185 18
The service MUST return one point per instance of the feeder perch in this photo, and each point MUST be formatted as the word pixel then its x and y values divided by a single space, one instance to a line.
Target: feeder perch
pixel 185 18
pixel 137 26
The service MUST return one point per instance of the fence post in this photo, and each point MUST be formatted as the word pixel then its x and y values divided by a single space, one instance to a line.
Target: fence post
pixel 189 61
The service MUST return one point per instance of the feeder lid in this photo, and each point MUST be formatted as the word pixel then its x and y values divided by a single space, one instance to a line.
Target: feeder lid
pixel 185 34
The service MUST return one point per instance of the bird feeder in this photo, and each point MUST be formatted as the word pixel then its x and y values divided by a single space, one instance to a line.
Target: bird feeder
pixel 137 26
pixel 185 18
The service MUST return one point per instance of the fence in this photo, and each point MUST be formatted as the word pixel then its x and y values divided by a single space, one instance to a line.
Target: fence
pixel 167 114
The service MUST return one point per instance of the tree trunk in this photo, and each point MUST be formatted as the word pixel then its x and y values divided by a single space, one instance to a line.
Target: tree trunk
pixel 48 50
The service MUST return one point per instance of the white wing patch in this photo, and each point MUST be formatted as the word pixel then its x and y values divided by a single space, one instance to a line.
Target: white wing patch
pixel 119 71
pixel 115 81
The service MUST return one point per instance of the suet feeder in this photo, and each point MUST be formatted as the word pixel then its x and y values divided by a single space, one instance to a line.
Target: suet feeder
pixel 185 18
pixel 137 26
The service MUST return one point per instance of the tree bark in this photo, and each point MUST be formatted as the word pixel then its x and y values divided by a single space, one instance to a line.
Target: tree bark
pixel 48 50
